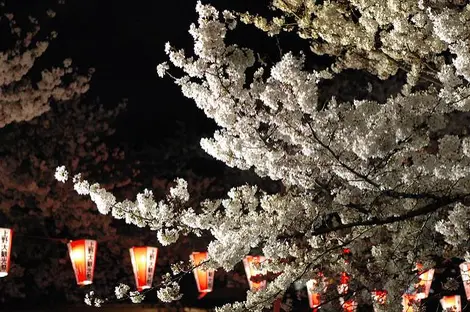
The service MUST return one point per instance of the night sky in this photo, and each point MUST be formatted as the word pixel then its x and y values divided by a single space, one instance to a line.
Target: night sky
pixel 124 42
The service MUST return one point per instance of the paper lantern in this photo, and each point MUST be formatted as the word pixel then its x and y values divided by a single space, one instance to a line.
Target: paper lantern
pixel 83 255
pixel 252 269
pixel 6 236
pixel 379 296
pixel 204 278
pixel 343 285
pixel 451 303
pixel 143 263
pixel 314 296
pixel 465 273
pixel 408 301
pixel 424 284
pixel 349 306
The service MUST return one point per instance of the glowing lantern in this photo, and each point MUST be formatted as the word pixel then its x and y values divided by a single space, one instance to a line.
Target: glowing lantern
pixel 424 284
pixel 343 286
pixel 6 236
pixel 204 278
pixel 379 296
pixel 465 273
pixel 451 303
pixel 143 263
pixel 314 297
pixel 83 255
pixel 252 269
pixel 408 301
pixel 350 306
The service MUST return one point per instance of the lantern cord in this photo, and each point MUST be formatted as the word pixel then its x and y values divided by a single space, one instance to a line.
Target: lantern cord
pixel 53 239
pixel 202 295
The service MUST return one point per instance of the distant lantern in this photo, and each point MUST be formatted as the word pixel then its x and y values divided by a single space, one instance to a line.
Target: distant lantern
pixel 314 297
pixel 204 278
pixel 6 236
pixel 379 296
pixel 143 263
pixel 424 284
pixel 465 273
pixel 349 306
pixel 83 255
pixel 408 302
pixel 313 291
pixel 343 286
pixel 253 270
pixel 451 303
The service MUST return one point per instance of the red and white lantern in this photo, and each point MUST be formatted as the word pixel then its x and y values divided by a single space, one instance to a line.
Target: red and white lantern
pixel 313 291
pixel 343 286
pixel 451 303
pixel 314 298
pixel 349 306
pixel 204 278
pixel 424 284
pixel 6 236
pixel 252 269
pixel 465 273
pixel 143 263
pixel 83 256
pixel 379 297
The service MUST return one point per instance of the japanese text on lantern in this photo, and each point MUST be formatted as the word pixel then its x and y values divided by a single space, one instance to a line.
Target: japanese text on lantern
pixel 5 250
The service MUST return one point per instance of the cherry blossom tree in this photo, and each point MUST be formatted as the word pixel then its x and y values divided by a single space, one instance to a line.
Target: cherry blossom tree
pixel 387 181
pixel 21 97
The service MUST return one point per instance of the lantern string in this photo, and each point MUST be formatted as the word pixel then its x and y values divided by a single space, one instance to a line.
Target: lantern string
pixel 53 239
pixel 202 295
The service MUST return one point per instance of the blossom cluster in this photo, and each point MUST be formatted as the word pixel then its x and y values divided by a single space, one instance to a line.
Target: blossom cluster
pixel 22 99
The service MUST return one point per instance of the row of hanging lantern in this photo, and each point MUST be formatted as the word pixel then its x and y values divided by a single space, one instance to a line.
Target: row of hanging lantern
pixel 417 292
pixel 83 257
pixel 423 286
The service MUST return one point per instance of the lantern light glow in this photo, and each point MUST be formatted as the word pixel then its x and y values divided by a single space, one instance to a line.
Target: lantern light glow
pixel 314 296
pixel 83 255
pixel 380 296
pixel 451 303
pixel 350 306
pixel 424 284
pixel 204 278
pixel 143 263
pixel 6 236
pixel 252 269
pixel 408 301
pixel 343 286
